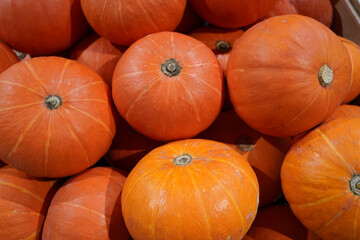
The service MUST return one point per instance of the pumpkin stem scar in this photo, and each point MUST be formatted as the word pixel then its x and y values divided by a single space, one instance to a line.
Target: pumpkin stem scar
pixel 53 102
pixel 222 46
pixel 325 75
pixel 355 184
pixel 171 68
pixel 182 160
pixel 245 143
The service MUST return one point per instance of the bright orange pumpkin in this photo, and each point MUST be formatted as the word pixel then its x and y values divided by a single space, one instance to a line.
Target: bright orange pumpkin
pixel 56 117
pixel 24 201
pixel 321 10
pixel 7 57
pixel 125 21
pixel 168 86
pixel 99 54
pixel 88 207
pixel 289 79
pixel 346 111
pixel 41 27
pixel 321 179
pixel 264 153
pixel 190 189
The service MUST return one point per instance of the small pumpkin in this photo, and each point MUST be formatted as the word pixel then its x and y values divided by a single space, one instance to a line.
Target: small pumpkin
pixel 264 153
pixel 168 86
pixel 24 201
pixel 56 117
pixel 288 80
pixel 7 57
pixel 321 179
pixel 190 189
pixel 99 54
pixel 88 206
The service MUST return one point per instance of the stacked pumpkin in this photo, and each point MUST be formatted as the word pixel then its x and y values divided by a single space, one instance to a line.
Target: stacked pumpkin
pixel 157 125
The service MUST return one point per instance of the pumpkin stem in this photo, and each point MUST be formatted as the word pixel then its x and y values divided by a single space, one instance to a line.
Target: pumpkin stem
pixel 171 68
pixel 355 184
pixel 183 160
pixel 53 102
pixel 245 143
pixel 222 46
pixel 326 75
pixel 20 55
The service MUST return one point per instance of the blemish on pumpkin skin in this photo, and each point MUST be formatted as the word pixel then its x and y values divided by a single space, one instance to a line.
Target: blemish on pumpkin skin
pixel 283 20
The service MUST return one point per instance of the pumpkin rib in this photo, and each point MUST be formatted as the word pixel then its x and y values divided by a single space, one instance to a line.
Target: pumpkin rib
pixel 25 87
pixel 87 100
pixel 79 88
pixel 146 14
pixel 201 64
pixel 191 99
pixel 34 74
pixel 21 189
pixel 61 79
pixel 134 74
pixel 190 50
pixel 200 80
pixel 102 11
pixel 47 145
pixel 320 201
pixel 120 14
pixel 23 133
pixel 19 106
pixel 172 44
pixel 32 235
pixel 160 52
pixel 69 204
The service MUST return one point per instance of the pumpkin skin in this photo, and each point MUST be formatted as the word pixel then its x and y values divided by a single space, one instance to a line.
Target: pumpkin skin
pixel 45 141
pixel 321 10
pixel 99 54
pixel 88 206
pixel 278 222
pixel 264 153
pixel 288 80
pixel 125 21
pixel 43 27
pixel 323 166
pixel 354 53
pixel 190 189
pixel 24 201
pixel 7 57
pixel 346 111
pixel 190 20
pixel 219 40
pixel 231 13
pixel 165 105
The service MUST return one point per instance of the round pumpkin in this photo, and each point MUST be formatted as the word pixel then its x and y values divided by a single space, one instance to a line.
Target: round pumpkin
pixel 288 80
pixel 7 57
pixel 125 21
pixel 56 117
pixel 264 153
pixel 278 222
pixel 321 179
pixel 168 86
pixel 24 201
pixel 88 207
pixel 189 21
pixel 354 53
pixel 231 13
pixel 41 27
pixel 190 189
pixel 99 54
pixel 321 10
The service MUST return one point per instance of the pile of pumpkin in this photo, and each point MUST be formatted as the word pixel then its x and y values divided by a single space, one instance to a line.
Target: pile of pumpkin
pixel 177 120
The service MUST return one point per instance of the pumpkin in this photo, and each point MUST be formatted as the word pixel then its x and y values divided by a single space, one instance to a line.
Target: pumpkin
pixel 190 189
pixel 128 146
pixel 321 181
pixel 7 57
pixel 231 13
pixel 264 153
pixel 354 52
pixel 168 86
pixel 99 54
pixel 22 56
pixel 219 40
pixel 41 27
pixel 56 117
pixel 24 201
pixel 288 80
pixel 125 21
pixel 189 21
pixel 88 206
pixel 346 111
pixel 278 222
pixel 321 10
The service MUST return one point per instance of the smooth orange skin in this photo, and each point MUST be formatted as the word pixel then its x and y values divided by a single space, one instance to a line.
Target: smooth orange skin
pixel 354 53
pixel 99 54
pixel 346 111
pixel 265 158
pixel 88 207
pixel 167 108
pixel 320 10
pixel 215 196
pixel 273 75
pixel 41 27
pixel 59 142
pixel 7 57
pixel 24 201
pixel 231 13
pixel 315 179
pixel 125 21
